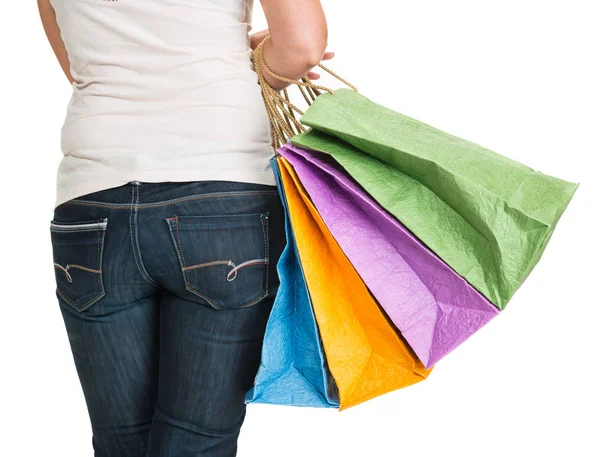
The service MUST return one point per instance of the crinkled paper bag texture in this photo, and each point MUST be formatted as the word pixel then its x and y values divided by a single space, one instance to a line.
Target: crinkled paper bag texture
pixel 366 355
pixel 293 370
pixel 433 307
pixel 489 217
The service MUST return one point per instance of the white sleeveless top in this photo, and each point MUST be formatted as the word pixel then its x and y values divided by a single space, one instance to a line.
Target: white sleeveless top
pixel 164 91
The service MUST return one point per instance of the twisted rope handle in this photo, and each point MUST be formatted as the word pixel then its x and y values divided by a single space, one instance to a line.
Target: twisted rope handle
pixel 281 111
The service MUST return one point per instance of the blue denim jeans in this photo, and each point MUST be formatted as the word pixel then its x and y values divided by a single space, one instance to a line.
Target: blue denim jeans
pixel 165 290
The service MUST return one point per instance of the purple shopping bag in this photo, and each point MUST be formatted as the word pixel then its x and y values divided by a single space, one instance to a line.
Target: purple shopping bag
pixel 433 307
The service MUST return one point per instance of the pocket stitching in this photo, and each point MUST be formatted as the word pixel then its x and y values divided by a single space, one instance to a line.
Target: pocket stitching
pixel 98 273
pixel 264 218
pixel 186 278
pixel 84 306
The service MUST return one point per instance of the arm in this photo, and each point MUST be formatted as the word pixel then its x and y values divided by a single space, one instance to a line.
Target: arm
pixel 298 40
pixel 48 17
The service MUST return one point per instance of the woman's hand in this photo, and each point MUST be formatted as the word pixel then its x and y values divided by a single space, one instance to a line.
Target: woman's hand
pixel 311 74
pixel 257 37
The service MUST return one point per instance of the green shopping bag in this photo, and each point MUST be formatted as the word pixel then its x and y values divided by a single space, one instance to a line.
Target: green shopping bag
pixel 488 217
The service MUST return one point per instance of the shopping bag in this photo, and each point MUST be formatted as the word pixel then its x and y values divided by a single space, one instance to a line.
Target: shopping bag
pixel 366 355
pixel 434 308
pixel 293 370
pixel 488 217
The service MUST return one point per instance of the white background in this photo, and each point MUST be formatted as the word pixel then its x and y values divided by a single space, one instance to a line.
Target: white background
pixel 520 77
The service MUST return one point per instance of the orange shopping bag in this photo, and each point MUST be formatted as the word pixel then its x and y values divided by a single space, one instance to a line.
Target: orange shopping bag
pixel 366 356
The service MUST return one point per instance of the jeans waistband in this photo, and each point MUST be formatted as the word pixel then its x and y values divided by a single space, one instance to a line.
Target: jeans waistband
pixel 151 194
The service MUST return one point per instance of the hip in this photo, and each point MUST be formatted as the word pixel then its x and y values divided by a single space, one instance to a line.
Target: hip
pixel 213 242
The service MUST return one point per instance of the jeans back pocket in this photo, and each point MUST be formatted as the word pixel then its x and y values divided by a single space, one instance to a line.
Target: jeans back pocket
pixel 224 260
pixel 77 249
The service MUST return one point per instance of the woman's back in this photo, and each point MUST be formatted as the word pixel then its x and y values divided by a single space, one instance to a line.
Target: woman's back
pixel 155 275
pixel 164 91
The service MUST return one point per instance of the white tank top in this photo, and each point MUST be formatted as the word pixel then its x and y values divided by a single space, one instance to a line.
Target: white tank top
pixel 164 91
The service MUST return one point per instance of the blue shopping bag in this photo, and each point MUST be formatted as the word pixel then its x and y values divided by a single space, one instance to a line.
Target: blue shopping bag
pixel 293 370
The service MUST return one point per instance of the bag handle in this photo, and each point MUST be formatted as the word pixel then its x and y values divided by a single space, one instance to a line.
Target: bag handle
pixel 281 111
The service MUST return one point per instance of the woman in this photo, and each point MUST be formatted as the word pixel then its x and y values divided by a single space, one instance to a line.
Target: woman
pixel 167 225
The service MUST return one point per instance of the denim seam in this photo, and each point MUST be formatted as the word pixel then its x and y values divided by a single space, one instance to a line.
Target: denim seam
pixel 174 201
pixel 133 227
